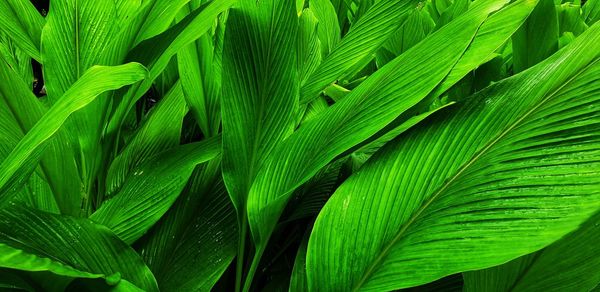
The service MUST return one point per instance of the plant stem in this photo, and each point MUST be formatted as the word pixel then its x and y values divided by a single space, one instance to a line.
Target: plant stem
pixel 255 261
pixel 239 268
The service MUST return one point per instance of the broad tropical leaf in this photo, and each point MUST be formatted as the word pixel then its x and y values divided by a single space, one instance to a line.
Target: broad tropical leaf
pixel 508 172
pixel 380 99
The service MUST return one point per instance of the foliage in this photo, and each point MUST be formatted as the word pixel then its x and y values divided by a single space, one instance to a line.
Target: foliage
pixel 308 145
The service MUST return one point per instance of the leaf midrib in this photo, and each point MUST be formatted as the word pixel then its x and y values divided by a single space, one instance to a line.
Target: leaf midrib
pixel 449 182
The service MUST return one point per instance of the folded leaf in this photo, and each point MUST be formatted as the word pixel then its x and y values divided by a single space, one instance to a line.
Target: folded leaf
pixel 508 172
pixel 23 24
pixel 32 240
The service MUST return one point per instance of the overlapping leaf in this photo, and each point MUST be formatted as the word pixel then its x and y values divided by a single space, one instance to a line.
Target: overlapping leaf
pixel 380 99
pixel 505 174
pixel 32 240
pixel 570 264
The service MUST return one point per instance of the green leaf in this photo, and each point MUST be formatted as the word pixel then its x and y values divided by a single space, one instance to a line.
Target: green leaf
pixel 537 38
pixel 377 102
pixel 151 189
pixel 494 33
pixel 508 172
pixel 23 24
pixel 309 46
pixel 11 281
pixel 156 53
pixel 206 248
pixel 199 70
pixel 328 29
pixel 260 89
pixel 94 82
pixel 570 19
pixel 32 240
pixel 158 17
pixel 591 11
pixel 418 25
pixel 570 264
pixel 363 39
pixel 196 240
pixel 160 131
pixel 298 281
pixel 58 160
pixel 77 36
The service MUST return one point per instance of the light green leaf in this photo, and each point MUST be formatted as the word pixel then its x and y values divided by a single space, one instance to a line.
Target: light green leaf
pixel 363 39
pixel 377 102
pixel 23 24
pixel 508 172
pixel 94 82
pixel 309 46
pixel 158 17
pixel 570 264
pixel 591 11
pixel 328 29
pixel 152 188
pixel 32 240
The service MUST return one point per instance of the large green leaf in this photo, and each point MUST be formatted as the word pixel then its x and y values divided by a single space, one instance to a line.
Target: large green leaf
pixel 77 36
pixel 260 89
pixel 260 95
pixel 570 264
pixel 508 172
pixel 23 24
pixel 27 153
pixel 151 189
pixel 380 99
pixel 32 240
pixel 363 39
